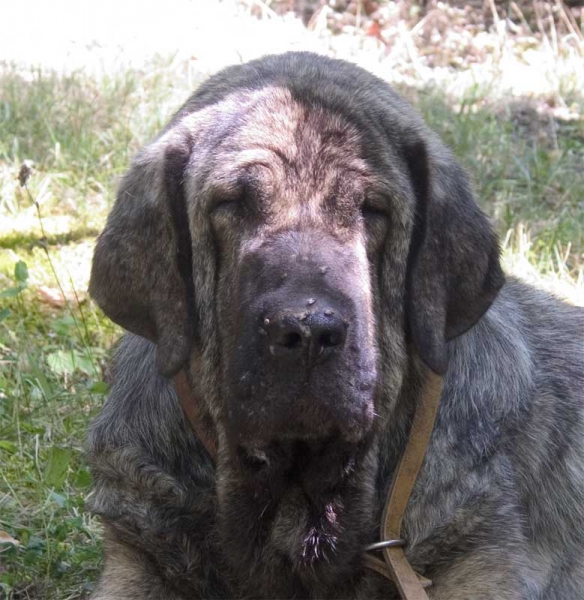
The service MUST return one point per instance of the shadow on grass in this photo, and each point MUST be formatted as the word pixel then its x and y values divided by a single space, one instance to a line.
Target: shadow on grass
pixel 525 163
pixel 27 241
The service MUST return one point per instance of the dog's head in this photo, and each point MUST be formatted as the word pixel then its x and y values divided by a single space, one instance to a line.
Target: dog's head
pixel 294 236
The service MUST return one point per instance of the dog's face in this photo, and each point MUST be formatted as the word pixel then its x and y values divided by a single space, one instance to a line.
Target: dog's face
pixel 295 252
pixel 294 290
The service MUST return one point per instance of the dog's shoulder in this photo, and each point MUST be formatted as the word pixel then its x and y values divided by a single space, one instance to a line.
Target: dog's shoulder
pixel 549 329
pixel 524 358
pixel 528 332
pixel 510 435
pixel 152 478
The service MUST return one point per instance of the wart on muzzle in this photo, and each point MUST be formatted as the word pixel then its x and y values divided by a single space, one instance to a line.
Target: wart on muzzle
pixel 306 334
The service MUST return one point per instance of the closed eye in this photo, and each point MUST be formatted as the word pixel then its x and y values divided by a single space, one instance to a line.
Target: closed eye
pixel 371 211
pixel 224 205
pixel 227 203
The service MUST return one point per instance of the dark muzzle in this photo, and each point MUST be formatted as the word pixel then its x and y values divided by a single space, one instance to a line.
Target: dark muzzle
pixel 303 365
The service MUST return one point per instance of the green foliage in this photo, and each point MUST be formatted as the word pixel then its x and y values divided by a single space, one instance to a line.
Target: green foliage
pixel 21 278
pixel 50 385
pixel 527 167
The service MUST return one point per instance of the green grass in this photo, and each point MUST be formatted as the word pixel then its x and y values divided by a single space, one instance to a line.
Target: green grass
pixel 51 382
pixel 526 167
pixel 525 172
pixel 81 132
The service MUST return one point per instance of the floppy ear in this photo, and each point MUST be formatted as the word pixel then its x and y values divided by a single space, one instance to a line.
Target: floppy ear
pixel 142 265
pixel 454 272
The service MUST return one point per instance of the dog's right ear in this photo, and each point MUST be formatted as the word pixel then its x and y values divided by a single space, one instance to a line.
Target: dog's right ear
pixel 142 266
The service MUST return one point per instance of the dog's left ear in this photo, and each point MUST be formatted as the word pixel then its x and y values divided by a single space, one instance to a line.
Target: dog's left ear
pixel 454 273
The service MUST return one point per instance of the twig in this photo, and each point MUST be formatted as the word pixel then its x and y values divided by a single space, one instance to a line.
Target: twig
pixel 521 16
pixel 540 26
pixel 44 245
pixel 494 12
pixel 569 21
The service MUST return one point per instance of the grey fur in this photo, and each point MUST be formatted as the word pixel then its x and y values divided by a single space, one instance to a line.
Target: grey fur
pixel 497 511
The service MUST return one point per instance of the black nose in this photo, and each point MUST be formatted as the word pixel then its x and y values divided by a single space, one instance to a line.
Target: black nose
pixel 312 334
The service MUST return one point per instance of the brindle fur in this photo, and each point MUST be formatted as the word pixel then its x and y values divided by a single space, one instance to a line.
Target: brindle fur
pixel 302 173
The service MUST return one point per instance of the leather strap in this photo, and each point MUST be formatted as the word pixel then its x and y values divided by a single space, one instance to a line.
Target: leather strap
pixel 191 408
pixel 410 585
pixel 380 566
pixel 396 566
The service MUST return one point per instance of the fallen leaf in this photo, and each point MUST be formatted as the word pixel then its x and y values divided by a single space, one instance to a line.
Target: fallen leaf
pixel 374 30
pixel 6 538
pixel 54 297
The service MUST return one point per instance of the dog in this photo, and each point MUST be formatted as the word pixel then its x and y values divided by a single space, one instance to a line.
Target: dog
pixel 306 250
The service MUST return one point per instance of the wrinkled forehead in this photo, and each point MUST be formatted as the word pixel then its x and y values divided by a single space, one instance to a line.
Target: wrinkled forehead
pixel 279 144
pixel 296 131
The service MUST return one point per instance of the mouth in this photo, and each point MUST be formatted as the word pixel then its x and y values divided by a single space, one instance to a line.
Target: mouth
pixel 300 489
pixel 303 505
pixel 279 407
pixel 299 461
pixel 296 479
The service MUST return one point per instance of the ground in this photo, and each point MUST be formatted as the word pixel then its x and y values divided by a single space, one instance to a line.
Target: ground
pixel 81 90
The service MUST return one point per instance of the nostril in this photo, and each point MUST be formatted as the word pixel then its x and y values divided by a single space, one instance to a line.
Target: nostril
pixel 329 339
pixel 290 340
pixel 253 460
pixel 297 333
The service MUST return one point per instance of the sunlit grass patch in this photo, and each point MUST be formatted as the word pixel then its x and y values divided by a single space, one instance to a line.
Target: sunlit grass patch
pixel 560 272
pixel 79 133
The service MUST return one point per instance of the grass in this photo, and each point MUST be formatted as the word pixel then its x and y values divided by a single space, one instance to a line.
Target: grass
pixel 527 171
pixel 80 132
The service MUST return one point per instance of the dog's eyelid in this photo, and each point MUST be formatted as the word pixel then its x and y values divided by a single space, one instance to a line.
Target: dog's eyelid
pixel 371 208
pixel 224 204
pixel 230 199
pixel 233 200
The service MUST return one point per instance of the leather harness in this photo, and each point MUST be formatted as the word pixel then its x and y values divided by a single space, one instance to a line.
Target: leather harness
pixel 395 565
